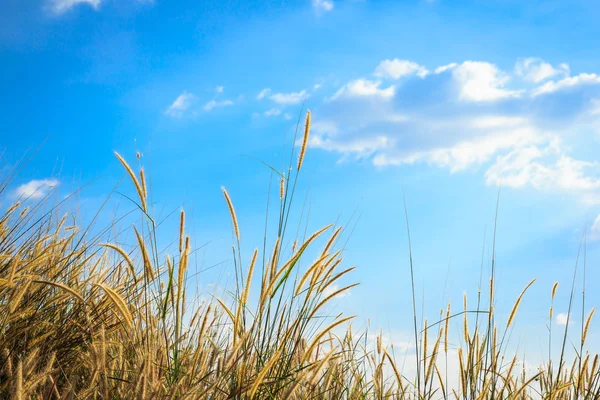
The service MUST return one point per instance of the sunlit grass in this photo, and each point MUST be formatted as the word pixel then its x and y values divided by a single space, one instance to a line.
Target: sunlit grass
pixel 81 318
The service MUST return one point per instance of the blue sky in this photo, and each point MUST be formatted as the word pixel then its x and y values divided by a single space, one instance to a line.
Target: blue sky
pixel 444 98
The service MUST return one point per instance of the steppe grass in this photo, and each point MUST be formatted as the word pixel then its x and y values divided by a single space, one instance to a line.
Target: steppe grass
pixel 81 318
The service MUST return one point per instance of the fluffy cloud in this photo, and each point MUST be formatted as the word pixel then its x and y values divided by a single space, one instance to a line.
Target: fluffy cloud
pixel 466 153
pixel 595 229
pixel 59 7
pixel 396 69
pixel 537 70
pixel 272 112
pixel 482 81
pixel 470 115
pixel 209 106
pixel 361 147
pixel 528 166
pixel 182 103
pixel 444 68
pixel 322 5
pixel 62 6
pixel 288 98
pixel 186 104
pixel 35 189
pixel 329 290
pixel 364 87
pixel 284 98
pixel 561 319
pixel 263 93
pixel 554 86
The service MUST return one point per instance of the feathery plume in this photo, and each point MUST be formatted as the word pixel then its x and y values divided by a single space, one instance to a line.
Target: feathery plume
pixel 232 213
pixel 304 140
pixel 517 303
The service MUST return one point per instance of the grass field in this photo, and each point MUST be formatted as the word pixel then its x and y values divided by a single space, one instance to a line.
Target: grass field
pixel 81 318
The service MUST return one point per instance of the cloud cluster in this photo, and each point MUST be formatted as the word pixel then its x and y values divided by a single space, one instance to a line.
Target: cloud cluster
pixel 364 87
pixel 62 6
pixel 59 7
pixel 215 104
pixel 35 189
pixel 521 126
pixel 186 104
pixel 331 289
pixel 283 98
pixel 396 69
pixel 272 112
pixel 182 103
pixel 562 318
pixel 321 6
pixel 537 70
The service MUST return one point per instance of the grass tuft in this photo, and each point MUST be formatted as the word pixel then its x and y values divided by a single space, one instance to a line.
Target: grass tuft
pixel 94 314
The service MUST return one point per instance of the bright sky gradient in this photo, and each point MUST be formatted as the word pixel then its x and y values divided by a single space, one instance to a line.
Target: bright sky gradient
pixel 445 98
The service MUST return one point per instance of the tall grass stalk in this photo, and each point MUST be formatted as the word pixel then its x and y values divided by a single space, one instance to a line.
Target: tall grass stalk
pixel 100 312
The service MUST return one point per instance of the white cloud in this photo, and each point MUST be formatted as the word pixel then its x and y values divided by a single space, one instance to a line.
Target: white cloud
pixel 496 121
pixel 287 116
pixel 182 103
pixel 333 288
pixel 320 126
pixel 322 5
pixel 59 7
pixel 62 6
pixel 554 86
pixel 518 168
pixel 482 81
pixel 263 93
pixel 595 229
pixel 466 153
pixel 219 89
pixel 36 189
pixel 445 68
pixel 216 104
pixel 594 108
pixel 537 70
pixel 572 174
pixel 364 87
pixel 465 116
pixel 544 168
pixel 361 147
pixel 288 98
pixel 561 319
pixel 284 98
pixel 396 69
pixel 272 112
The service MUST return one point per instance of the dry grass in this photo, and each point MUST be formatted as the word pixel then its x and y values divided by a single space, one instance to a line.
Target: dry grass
pixel 82 319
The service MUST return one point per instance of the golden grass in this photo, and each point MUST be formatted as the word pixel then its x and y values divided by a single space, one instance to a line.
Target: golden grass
pixel 304 140
pixel 515 308
pixel 234 220
pixel 77 323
